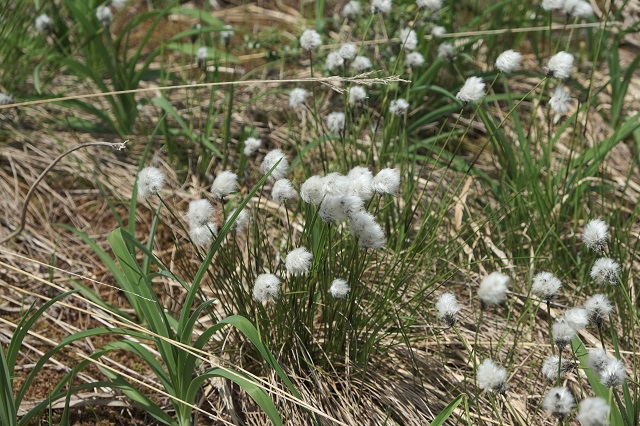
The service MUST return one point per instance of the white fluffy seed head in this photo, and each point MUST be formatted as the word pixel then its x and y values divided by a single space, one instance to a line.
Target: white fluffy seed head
pixel 240 224
pixel 357 95
pixel 599 308
pixel 414 60
pixel 597 358
pixel 612 373
pixel 605 271
pixel 578 9
pixel 595 235
pixel 491 377
pixel 226 35
pixel 562 333
pixel 334 60
pixel 359 181
pixel 550 367
pixel 199 213
pixel 432 5
pixel 150 181
pixel 351 204
pixel 224 184
pixel 398 107
pixel 251 146
pixel 472 90
pixel 312 191
pixel 408 39
pixel 561 101
pixel 331 210
pixel 44 24
pixel 593 411
pixel 119 4
pixel 202 56
pixel 266 288
pixel 351 10
pixel 203 235
pixel 339 288
pixel 508 61
pixel 438 32
pixel 310 39
pixel 559 401
pixel 360 64
pixel 545 285
pixel 369 233
pixel 577 318
pixel 387 181
pixel 275 158
pixel 446 52
pixel 560 65
pixel 297 97
pixel 298 261
pixel 348 51
pixel 380 6
pixel 493 289
pixel 448 308
pixel 335 122
pixel 283 191
pixel 552 4
pixel 6 99
pixel 104 15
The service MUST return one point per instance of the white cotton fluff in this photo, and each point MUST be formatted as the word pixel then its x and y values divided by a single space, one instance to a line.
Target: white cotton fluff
pixel 203 235
pixel 104 15
pixel 562 333
pixel 226 35
pixel 297 97
pixel 351 204
pixel 348 51
pixel 44 24
pixel 491 377
pixel 240 224
pixel 432 5
pixel 605 271
pixel 310 39
pixel 577 318
pixel 224 184
pixel 266 288
pixel 438 32
pixel 447 52
pixel 508 61
pixel 351 9
pixel 251 146
pixel 334 184
pixel 331 210
pixel 559 401
pixel 414 60
pixel 552 4
pixel 199 213
pixel 283 191
pixel 398 107
pixel 202 56
pixel 597 358
pixel 595 235
pixel 593 411
pixel 578 8
pixel 361 64
pixel 612 373
pixel 387 181
pixel 472 90
pixel 6 99
pixel 359 183
pixel 493 289
pixel 334 60
pixel 560 102
pixel 150 181
pixel 369 233
pixel 339 288
pixel 551 366
pixel 408 39
pixel 599 308
pixel 448 308
pixel 298 261
pixel 380 6
pixel 119 4
pixel 312 190
pixel 270 160
pixel 560 65
pixel 357 95
pixel 335 122
pixel 545 285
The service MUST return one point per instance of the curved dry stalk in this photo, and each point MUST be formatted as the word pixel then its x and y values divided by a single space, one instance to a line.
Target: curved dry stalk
pixel 23 214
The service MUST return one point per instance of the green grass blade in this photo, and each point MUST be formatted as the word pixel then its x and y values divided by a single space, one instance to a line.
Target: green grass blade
pixel 447 412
